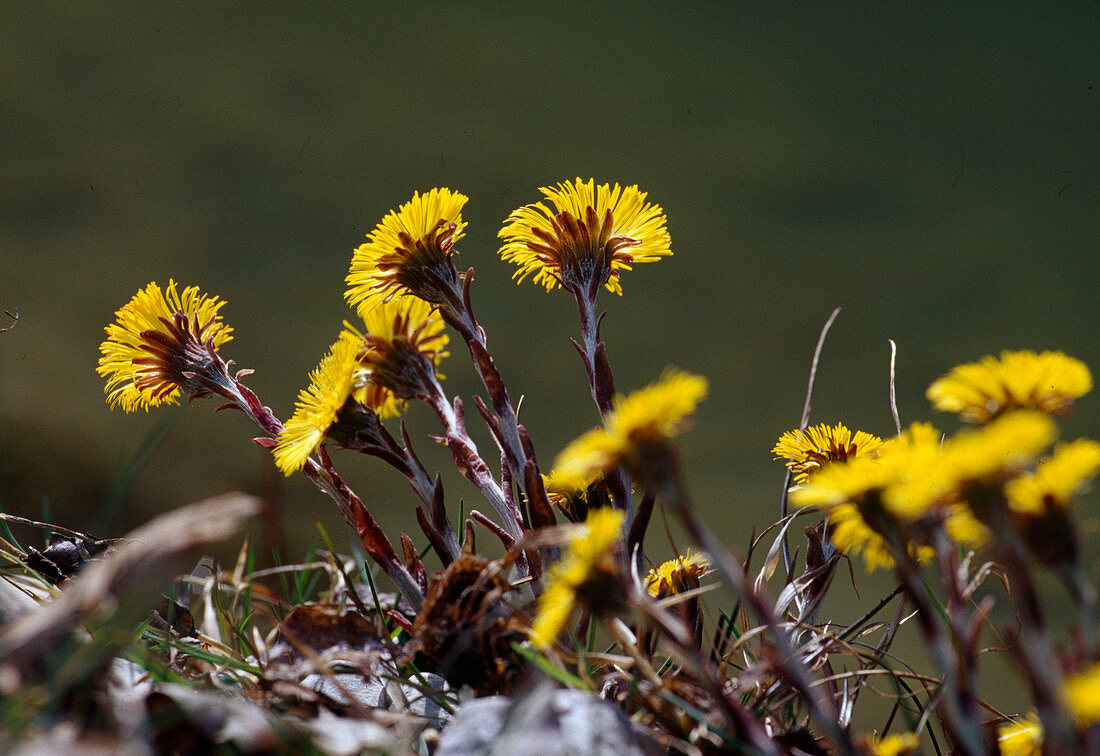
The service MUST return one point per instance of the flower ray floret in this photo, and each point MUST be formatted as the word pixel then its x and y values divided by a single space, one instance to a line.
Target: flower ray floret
pixel 332 384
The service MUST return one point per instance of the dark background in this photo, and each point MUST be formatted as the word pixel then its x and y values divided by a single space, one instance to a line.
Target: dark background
pixel 931 168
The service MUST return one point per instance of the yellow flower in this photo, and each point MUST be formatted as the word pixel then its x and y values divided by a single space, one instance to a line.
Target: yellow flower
pixel 980 391
pixel 331 385
pixel 571 498
pixel 634 431
pixel 1082 695
pixel 905 744
pixel 592 234
pixel 1021 736
pixel 587 560
pixel 409 252
pixel 807 450
pixel 404 339
pixel 851 534
pixel 162 342
pixel 677 575
pixel 1056 480
pixel 964 528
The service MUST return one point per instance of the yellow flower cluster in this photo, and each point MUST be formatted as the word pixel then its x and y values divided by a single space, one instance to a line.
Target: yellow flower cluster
pixel 873 492
pixel 368 368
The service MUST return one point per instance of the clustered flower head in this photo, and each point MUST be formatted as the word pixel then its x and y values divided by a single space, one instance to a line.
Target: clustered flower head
pixel 678 575
pixel 980 391
pixel 161 343
pixel 403 344
pixel 635 433
pixel 409 252
pixel 585 575
pixel 807 450
pixel 590 236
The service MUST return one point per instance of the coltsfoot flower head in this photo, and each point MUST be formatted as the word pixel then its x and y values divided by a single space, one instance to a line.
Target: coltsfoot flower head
pixel 904 744
pixel 636 432
pixel 590 236
pixel 403 344
pixel 1082 695
pixel 1056 480
pixel 987 457
pixel 332 385
pixel 1039 501
pixel 575 497
pixel 1021 737
pixel 807 450
pixel 585 575
pixel 677 575
pixel 980 391
pixel 162 343
pixel 409 252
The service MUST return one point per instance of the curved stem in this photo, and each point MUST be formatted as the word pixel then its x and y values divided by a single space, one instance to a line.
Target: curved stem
pixel 467 459
pixel 328 481
pixel 601 384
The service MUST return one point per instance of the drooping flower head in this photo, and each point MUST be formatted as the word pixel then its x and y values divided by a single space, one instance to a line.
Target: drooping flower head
pixel 636 432
pixel 332 386
pixel 585 575
pixel 409 252
pixel 1057 479
pixel 677 575
pixel 162 343
pixel 403 344
pixel 807 450
pixel 590 236
pixel 980 391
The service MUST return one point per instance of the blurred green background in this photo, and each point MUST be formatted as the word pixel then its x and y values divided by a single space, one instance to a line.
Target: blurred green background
pixel 933 169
